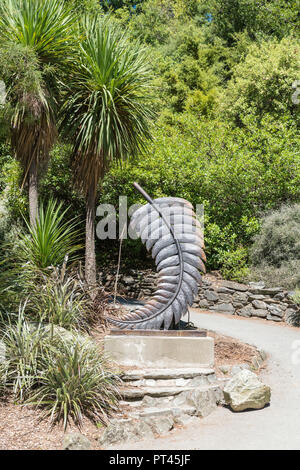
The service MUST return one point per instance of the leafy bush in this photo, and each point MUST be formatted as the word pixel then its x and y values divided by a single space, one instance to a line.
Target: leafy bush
pixel 66 375
pixel 279 238
pixel 296 296
pixel 236 174
pixel 287 275
pixel 275 253
pixel 262 83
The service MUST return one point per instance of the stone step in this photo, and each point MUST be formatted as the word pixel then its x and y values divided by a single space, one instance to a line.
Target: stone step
pixel 135 393
pixel 165 374
pixel 182 382
pixel 164 411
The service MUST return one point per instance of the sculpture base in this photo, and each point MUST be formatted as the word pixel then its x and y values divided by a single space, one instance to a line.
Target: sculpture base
pixel 160 349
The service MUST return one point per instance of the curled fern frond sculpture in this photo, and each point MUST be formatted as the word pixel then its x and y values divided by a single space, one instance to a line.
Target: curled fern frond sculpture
pixel 169 228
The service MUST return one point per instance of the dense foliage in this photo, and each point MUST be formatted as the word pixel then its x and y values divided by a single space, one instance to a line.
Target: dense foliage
pixel 227 130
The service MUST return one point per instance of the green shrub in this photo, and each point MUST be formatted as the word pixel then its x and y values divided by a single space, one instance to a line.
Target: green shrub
pixel 262 83
pixel 275 253
pixel 60 299
pixel 237 174
pixel 279 238
pixel 24 345
pixel 296 296
pixel 234 264
pixel 61 372
pixel 74 383
pixel 29 255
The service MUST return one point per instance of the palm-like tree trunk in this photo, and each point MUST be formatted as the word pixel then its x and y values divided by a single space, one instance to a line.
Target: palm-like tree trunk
pixel 90 255
pixel 33 192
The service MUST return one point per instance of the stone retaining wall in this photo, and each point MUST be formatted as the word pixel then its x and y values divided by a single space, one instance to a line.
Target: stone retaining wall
pixel 215 294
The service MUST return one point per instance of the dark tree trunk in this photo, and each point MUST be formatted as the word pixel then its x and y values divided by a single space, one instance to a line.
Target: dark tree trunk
pixel 90 255
pixel 33 193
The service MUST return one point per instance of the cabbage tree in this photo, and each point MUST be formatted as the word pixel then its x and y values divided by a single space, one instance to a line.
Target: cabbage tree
pixel 35 38
pixel 107 112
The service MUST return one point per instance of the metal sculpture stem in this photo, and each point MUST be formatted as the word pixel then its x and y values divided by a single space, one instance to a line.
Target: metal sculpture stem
pixel 148 198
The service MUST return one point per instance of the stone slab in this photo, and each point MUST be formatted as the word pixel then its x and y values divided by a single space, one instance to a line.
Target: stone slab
pixel 160 352
pixel 165 374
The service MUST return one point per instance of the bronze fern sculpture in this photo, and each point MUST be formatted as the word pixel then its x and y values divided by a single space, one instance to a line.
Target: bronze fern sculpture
pixel 169 228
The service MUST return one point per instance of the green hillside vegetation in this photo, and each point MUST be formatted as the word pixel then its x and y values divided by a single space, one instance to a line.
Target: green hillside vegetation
pixel 226 132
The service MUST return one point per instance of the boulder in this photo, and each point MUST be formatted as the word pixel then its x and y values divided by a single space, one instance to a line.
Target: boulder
pixel 203 303
pixel 245 312
pixel 259 304
pixel 259 312
pixel 160 424
pixel 239 367
pixel 76 441
pixel 245 391
pixel 123 430
pixel 211 296
pixel 274 318
pixel 223 308
pixel 276 311
pixel 235 286
pixel 204 401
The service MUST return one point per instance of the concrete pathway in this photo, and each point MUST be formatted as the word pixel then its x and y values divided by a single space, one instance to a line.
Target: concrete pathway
pixel 276 426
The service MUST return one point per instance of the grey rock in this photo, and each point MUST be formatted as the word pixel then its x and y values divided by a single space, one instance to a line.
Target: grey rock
pixel 256 297
pixel 123 430
pixel 227 298
pixel 239 367
pixel 185 419
pixel 275 310
pixel 245 391
pixel 224 308
pixel 273 318
pixel 257 285
pixel 259 304
pixel 279 296
pixel 267 291
pixel 211 296
pixel 76 441
pixel 225 369
pixel 240 296
pixel 235 286
pixel 245 312
pixel 160 424
pixel 259 312
pixel 204 401
pixel 224 290
pixel 128 280
pixel 136 392
pixel 203 303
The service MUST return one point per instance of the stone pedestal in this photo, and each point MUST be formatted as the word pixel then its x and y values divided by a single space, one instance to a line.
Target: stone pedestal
pixel 158 350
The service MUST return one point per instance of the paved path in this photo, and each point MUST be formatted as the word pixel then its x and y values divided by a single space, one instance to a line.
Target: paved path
pixel 274 427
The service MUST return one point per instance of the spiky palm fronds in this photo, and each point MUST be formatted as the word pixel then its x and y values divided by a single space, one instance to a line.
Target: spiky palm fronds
pixel 39 33
pixel 107 110
pixel 50 239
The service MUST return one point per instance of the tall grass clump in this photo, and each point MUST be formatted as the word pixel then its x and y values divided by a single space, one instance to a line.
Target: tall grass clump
pixel 60 299
pixel 75 383
pixel 61 372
